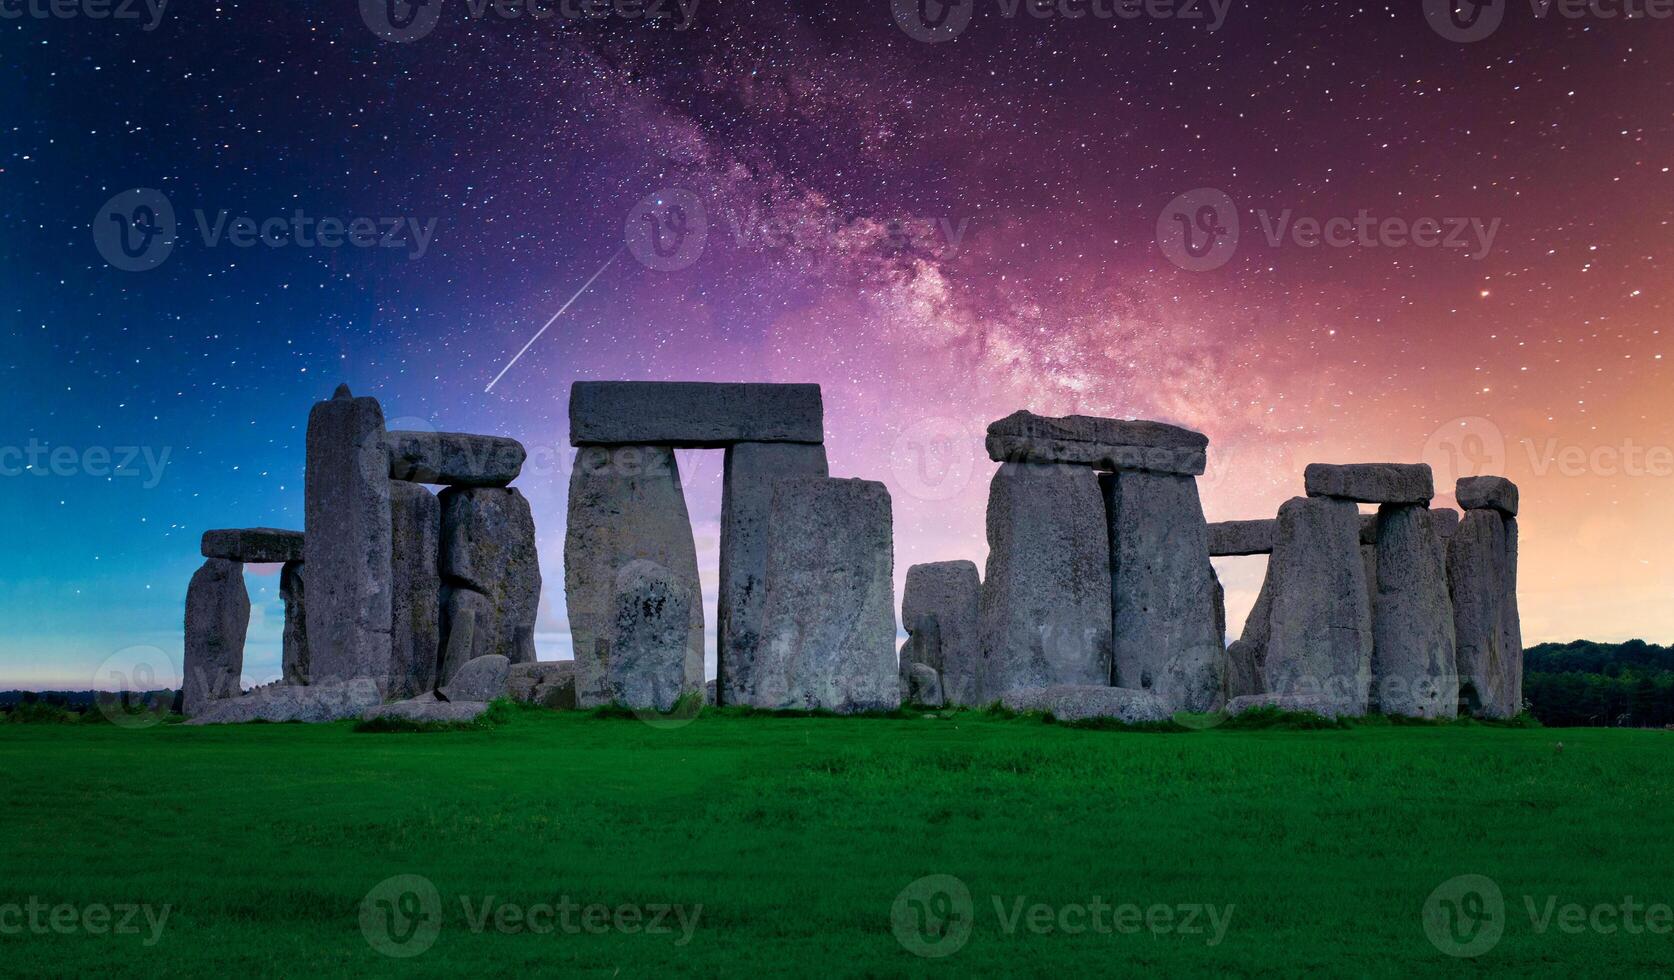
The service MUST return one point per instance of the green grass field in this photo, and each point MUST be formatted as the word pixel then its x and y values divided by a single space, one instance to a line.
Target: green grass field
pixel 773 845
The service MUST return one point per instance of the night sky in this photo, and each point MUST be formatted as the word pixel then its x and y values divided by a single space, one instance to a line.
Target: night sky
pixel 937 233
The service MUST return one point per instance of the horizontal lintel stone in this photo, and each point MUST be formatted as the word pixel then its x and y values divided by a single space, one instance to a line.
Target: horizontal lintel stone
pixel 692 414
pixel 1372 483
pixel 1234 538
pixel 454 459
pixel 256 545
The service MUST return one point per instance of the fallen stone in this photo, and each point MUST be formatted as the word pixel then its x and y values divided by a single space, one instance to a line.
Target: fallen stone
pixel 625 504
pixel 1046 616
pixel 648 641
pixel 1163 591
pixel 347 548
pixel 426 708
pixel 1373 483
pixel 746 498
pixel 416 593
pixel 293 590
pixel 1079 702
pixel 693 415
pixel 941 610
pixel 548 683
pixel 454 458
pixel 1318 704
pixel 1482 575
pixel 488 547
pixel 924 686
pixel 318 702
pixel 217 616
pixel 828 626
pixel 253 545
pixel 1415 671
pixel 1487 493
pixel 1229 539
pixel 483 679
pixel 1320 636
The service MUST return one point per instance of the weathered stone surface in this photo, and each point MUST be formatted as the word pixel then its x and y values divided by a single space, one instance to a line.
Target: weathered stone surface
pixel 1099 456
pixel 488 547
pixel 709 693
pixel 1247 656
pixel 416 590
pixel 1079 702
pixel 1482 573
pixel 1488 493
pixel 1320 637
pixel 294 667
pixel 649 637
pixel 1163 591
pixel 347 548
pixel 321 701
pixel 253 545
pixel 1369 529
pixel 483 679
pixel 1046 616
pixel 625 504
pixel 1220 604
pixel 828 626
pixel 217 615
pixel 428 708
pixel 548 683
pixel 454 458
pixel 1318 704
pixel 924 686
pixel 941 610
pixel 467 630
pixel 1373 483
pixel 1088 428
pixel 746 499
pixel 1229 539
pixel 1415 670
pixel 695 415
pixel 1444 521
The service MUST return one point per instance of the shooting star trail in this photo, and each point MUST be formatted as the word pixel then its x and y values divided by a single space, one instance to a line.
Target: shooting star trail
pixel 610 262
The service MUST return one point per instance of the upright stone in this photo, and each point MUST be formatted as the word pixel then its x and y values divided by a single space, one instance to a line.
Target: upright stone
pixel 1320 638
pixel 625 504
pixel 1247 656
pixel 828 627
pixel 746 498
pixel 1415 670
pixel 294 666
pixel 416 613
pixel 941 610
pixel 217 615
pixel 1482 574
pixel 1163 591
pixel 1444 521
pixel 488 547
pixel 648 639
pixel 1046 615
pixel 347 545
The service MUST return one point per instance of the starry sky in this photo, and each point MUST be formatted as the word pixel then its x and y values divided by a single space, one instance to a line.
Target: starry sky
pixel 937 233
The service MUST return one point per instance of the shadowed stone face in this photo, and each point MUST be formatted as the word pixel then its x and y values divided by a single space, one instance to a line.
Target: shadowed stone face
pixel 1320 635
pixel 415 612
pixel 488 547
pixel 293 590
pixel 1414 661
pixel 217 615
pixel 941 612
pixel 1482 574
pixel 648 641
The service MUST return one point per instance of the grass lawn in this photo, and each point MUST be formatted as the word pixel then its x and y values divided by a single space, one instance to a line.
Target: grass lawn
pixel 757 845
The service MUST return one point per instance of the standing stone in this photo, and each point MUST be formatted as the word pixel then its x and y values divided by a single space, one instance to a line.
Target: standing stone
pixel 941 610
pixel 488 547
pixel 625 504
pixel 467 630
pixel 1220 603
pixel 648 638
pixel 828 626
pixel 746 498
pixel 415 613
pixel 1482 573
pixel 923 686
pixel 1163 590
pixel 1046 614
pixel 1415 670
pixel 294 667
pixel 1320 639
pixel 1247 656
pixel 1444 521
pixel 217 615
pixel 347 542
